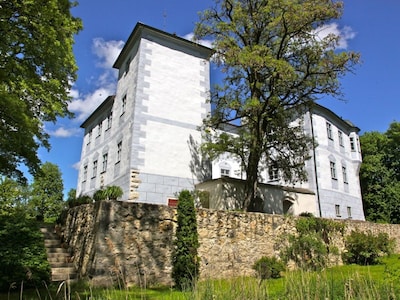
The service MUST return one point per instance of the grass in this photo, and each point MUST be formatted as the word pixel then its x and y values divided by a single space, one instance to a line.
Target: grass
pixel 342 282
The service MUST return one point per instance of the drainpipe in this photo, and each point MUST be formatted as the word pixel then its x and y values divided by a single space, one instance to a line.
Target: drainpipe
pixel 315 165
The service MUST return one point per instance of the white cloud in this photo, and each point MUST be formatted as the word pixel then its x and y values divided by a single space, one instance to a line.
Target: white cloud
pixel 84 106
pixel 63 132
pixel 106 53
pixel 76 165
pixel 345 34
pixel 206 43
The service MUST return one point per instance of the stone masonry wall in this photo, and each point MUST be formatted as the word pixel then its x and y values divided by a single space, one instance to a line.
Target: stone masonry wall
pixel 133 242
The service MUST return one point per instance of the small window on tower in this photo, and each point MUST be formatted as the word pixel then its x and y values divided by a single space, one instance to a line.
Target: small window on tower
pixel 225 172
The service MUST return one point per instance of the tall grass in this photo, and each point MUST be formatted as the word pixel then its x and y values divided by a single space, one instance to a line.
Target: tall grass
pixel 380 282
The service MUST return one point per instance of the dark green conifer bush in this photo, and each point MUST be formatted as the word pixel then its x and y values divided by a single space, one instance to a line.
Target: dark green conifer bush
pixel 185 261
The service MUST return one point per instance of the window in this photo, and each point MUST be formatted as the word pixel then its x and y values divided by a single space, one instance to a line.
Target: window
pixel 340 135
pixel 123 105
pixel 85 168
pixel 344 172
pixel 329 130
pixel 89 137
pixel 105 159
pixel 273 172
pixel 337 210
pixel 349 212
pixel 109 120
pixel 225 172
pixel 94 169
pixel 127 64
pixel 352 145
pixel 119 151
pixel 99 128
pixel 333 170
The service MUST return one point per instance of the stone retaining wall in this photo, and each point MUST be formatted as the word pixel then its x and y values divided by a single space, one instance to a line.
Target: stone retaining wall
pixel 132 242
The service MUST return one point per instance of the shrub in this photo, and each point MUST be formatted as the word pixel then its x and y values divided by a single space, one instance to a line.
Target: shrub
pixel 268 267
pixel 79 201
pixel 364 248
pixel 99 195
pixel 112 192
pixel 310 247
pixel 185 262
pixel 22 253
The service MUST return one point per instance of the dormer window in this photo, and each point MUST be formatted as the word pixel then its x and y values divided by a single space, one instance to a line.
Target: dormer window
pixel 225 172
pixel 273 172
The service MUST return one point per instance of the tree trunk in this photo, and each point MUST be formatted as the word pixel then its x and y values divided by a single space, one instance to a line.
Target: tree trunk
pixel 251 181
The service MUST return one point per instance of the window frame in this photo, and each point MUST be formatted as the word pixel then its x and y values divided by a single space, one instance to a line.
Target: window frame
pixel 119 151
pixel 94 170
pixel 329 130
pixel 104 163
pixel 344 174
pixel 337 210
pixel 340 137
pixel 123 105
pixel 332 165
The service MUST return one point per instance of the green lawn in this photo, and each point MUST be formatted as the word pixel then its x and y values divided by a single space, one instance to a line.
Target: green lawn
pixel 344 282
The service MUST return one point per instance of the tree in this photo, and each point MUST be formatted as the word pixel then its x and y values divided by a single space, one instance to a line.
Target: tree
pixel 185 263
pixel 37 68
pixel 380 175
pixel 13 196
pixel 275 66
pixel 47 192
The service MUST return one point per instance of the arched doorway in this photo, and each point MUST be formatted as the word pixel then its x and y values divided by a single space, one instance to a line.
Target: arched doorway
pixel 288 206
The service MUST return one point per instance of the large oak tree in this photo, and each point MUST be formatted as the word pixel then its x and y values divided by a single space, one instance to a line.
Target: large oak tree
pixel 275 65
pixel 37 68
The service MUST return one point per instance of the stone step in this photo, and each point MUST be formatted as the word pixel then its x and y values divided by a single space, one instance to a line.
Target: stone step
pixel 58 257
pixel 61 264
pixel 52 243
pixel 56 250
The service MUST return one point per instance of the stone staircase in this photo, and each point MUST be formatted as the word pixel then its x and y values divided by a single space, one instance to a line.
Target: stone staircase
pixel 61 267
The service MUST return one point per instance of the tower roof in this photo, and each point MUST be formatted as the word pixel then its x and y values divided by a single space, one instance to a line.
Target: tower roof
pixel 141 30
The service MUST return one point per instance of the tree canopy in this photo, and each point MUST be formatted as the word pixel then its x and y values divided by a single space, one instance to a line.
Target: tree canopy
pixel 37 68
pixel 47 192
pixel 380 174
pixel 275 66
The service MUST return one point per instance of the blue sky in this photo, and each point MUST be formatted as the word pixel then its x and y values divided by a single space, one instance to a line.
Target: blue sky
pixel 372 94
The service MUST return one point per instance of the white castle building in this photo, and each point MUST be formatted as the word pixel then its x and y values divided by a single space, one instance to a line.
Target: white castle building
pixel 145 138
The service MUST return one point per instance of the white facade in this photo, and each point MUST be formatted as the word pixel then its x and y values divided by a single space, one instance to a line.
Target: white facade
pixel 144 139
pixel 159 103
pixel 333 170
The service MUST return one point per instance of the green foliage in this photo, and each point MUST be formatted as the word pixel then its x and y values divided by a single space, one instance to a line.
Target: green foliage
pixel 365 248
pixel 112 192
pixel 36 74
pixel 185 262
pixel 275 66
pixel 380 175
pixel 22 253
pixel 13 196
pixel 268 267
pixel 73 201
pixel 79 201
pixel 311 247
pixel 47 193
